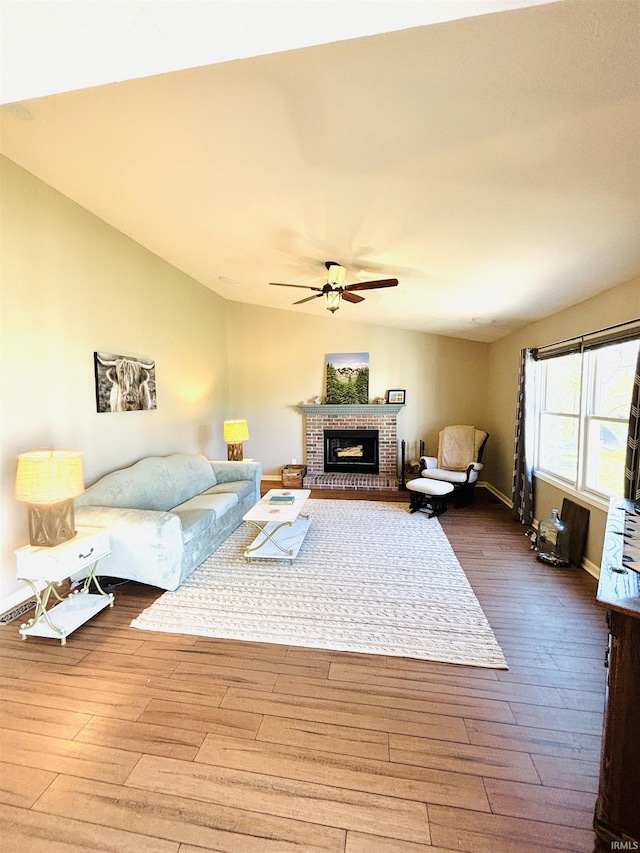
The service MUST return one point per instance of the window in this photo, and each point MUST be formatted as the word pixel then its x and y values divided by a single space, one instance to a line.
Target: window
pixel 583 417
pixel 560 417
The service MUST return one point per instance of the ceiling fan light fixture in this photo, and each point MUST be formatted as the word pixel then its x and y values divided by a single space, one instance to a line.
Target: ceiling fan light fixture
pixel 335 291
pixel 332 300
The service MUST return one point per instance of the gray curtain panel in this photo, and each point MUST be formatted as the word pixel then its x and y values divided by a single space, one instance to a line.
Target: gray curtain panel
pixel 522 491
pixel 632 462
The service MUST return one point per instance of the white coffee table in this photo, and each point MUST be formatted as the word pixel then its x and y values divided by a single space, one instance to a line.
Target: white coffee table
pixel 282 526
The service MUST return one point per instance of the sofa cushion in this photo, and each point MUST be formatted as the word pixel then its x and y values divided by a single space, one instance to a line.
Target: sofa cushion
pixel 199 513
pixel 194 522
pixel 217 504
pixel 155 483
pixel 241 488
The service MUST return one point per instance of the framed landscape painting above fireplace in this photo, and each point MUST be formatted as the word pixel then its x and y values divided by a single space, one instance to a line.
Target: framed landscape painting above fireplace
pixel 347 378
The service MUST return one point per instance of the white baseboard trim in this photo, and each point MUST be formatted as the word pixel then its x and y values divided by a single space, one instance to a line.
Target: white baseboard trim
pixel 482 484
pixel 587 565
pixel 590 567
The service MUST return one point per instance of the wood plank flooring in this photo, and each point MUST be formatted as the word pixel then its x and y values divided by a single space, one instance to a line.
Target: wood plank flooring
pixel 127 740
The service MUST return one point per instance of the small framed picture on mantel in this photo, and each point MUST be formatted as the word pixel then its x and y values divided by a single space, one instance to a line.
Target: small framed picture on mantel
pixel 397 397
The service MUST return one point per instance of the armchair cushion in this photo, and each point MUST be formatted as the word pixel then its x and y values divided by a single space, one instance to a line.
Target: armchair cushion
pixel 469 475
pixel 457 447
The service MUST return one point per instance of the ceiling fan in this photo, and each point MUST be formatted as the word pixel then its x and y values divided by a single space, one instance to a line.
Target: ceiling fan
pixel 335 290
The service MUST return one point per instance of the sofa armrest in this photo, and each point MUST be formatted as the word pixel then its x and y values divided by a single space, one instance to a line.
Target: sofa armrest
pixel 145 545
pixel 227 472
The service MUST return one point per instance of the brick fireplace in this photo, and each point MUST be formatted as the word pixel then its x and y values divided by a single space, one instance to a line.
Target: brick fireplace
pixel 358 418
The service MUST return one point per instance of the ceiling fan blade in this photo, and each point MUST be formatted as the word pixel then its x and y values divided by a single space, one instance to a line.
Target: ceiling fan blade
pixel 352 297
pixel 307 298
pixel 305 286
pixel 371 285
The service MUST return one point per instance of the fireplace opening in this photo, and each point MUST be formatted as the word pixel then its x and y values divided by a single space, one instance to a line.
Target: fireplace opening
pixel 351 451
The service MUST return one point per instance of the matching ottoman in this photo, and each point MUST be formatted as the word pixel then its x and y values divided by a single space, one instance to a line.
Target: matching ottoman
pixel 424 492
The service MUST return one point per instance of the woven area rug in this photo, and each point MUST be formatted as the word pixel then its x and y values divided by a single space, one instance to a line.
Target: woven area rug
pixel 369 577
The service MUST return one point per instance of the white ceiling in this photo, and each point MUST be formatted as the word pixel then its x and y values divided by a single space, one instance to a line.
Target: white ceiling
pixel 490 163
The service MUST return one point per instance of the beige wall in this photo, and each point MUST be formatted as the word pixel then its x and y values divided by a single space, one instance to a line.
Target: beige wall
pixel 277 361
pixel 72 285
pixel 618 305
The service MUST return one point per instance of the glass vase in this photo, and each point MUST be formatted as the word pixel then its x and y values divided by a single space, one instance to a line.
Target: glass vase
pixel 553 540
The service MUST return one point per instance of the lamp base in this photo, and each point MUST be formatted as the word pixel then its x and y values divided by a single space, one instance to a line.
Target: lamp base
pixel 234 452
pixel 51 524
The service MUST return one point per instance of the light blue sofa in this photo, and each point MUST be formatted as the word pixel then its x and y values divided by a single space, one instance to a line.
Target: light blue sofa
pixel 167 514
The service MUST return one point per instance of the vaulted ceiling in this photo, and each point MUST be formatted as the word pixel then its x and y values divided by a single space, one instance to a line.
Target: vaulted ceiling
pixel 490 163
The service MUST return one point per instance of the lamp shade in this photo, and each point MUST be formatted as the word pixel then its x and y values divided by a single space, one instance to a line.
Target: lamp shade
pixel 48 476
pixel 235 431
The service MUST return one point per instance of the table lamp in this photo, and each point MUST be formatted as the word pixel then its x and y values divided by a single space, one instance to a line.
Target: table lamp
pixel 235 432
pixel 48 480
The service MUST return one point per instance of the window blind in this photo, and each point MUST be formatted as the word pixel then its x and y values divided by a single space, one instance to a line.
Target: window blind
pixel 591 340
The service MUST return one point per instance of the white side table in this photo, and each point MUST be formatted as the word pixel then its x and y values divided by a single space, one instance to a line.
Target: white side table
pixel 54 565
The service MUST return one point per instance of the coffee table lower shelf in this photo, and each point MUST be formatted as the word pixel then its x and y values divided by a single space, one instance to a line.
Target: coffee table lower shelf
pixel 278 540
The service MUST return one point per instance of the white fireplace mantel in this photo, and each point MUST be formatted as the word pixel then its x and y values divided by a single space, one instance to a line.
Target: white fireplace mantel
pixel 381 409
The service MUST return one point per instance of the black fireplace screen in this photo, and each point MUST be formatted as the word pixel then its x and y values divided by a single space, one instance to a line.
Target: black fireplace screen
pixel 351 451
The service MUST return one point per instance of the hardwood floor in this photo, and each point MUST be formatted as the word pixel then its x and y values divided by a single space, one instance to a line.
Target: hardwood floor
pixel 126 740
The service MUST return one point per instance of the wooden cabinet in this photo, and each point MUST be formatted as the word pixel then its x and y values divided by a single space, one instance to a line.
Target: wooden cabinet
pixel 617 815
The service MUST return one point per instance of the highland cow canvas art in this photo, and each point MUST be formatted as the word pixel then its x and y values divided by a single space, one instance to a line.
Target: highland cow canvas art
pixel 124 383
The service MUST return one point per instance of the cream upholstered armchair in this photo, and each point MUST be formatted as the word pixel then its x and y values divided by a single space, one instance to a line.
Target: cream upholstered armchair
pixel 459 460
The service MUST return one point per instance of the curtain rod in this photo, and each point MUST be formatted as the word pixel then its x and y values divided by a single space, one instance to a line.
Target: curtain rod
pixel 596 334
